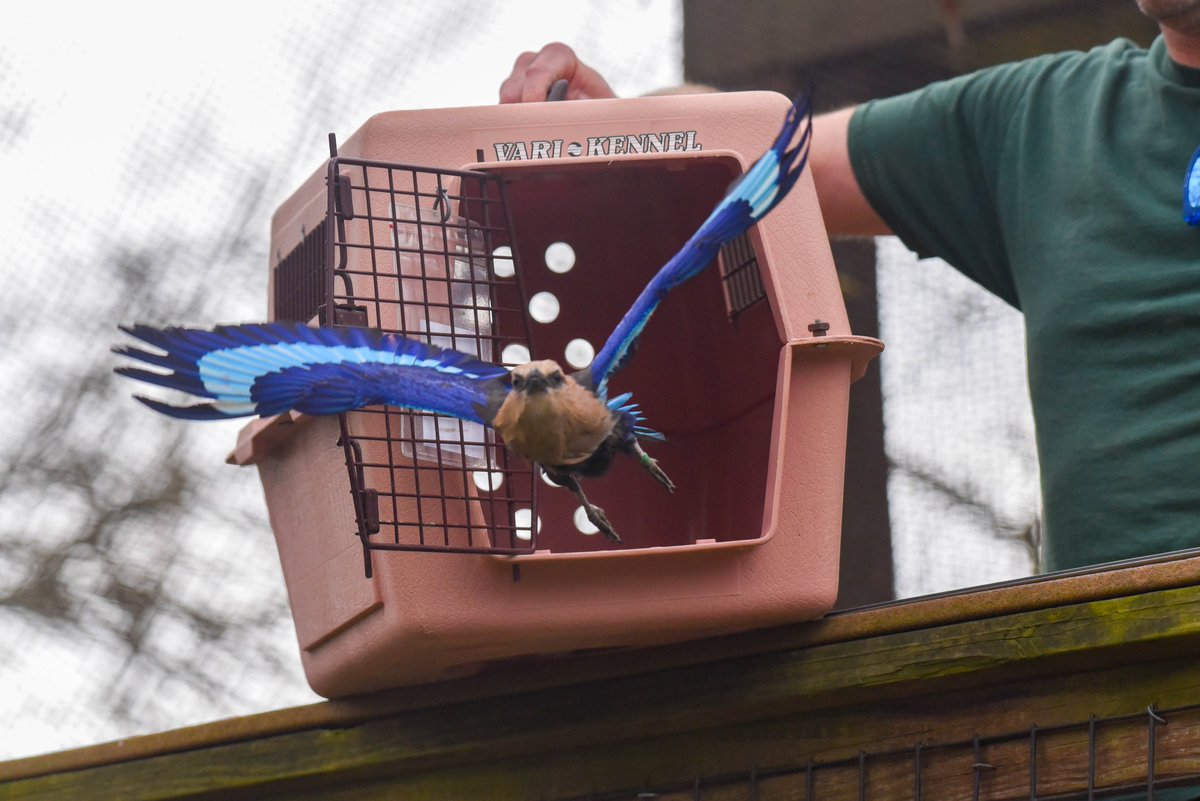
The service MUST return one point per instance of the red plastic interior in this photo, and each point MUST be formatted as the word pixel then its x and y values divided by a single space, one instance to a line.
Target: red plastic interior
pixel 704 381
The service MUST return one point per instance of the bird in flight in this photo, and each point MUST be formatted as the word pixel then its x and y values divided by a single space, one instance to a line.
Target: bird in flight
pixel 566 423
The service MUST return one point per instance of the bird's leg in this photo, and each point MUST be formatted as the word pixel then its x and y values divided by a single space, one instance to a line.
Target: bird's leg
pixel 594 513
pixel 651 465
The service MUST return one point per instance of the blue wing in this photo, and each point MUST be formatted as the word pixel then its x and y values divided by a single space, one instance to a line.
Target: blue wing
pixel 269 369
pixel 759 190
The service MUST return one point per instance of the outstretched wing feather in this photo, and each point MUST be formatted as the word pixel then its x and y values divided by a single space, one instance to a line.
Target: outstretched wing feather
pixel 271 368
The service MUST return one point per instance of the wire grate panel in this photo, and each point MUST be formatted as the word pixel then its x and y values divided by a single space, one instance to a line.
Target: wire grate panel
pixel 416 251
pixel 412 253
pixel 740 277
pixel 300 278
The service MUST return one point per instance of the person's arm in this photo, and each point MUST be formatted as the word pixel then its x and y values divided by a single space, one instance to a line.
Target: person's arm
pixel 843 205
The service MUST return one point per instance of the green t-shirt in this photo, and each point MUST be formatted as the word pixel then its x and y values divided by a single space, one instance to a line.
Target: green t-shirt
pixel 1057 184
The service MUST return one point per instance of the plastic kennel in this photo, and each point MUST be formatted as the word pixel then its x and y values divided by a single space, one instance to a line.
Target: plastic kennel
pixel 416 547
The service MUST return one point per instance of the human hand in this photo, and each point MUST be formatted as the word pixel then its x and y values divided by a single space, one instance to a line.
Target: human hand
pixel 534 73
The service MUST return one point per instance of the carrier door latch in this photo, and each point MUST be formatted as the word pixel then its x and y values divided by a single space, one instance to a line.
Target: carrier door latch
pixel 366 499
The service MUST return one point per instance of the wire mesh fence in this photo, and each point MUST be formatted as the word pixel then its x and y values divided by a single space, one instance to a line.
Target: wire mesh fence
pixel 1152 753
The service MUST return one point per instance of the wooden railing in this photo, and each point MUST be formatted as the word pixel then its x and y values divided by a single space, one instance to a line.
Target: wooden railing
pixel 1035 689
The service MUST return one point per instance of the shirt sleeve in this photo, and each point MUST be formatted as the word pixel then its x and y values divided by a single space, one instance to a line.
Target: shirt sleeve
pixel 929 163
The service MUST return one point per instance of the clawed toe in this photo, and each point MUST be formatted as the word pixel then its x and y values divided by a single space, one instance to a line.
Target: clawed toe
pixel 656 471
pixel 662 477
pixel 600 521
pixel 594 513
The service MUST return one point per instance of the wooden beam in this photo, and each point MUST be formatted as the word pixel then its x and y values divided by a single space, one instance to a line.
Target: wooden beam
pixel 697 719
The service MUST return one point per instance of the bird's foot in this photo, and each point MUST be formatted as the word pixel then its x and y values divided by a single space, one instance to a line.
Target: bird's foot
pixel 594 513
pixel 600 521
pixel 651 465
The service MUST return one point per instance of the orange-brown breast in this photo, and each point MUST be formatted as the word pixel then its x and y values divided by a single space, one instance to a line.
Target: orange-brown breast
pixel 559 427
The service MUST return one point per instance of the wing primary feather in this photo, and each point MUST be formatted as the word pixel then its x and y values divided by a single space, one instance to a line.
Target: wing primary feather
pixel 270 368
pixel 200 411
pixel 167 380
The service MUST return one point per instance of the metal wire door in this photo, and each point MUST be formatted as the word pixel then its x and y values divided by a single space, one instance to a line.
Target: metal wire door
pixel 428 254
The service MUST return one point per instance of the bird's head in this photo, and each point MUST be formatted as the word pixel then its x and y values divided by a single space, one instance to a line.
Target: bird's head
pixel 534 378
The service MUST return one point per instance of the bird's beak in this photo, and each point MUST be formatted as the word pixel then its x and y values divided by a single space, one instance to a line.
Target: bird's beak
pixel 536 383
